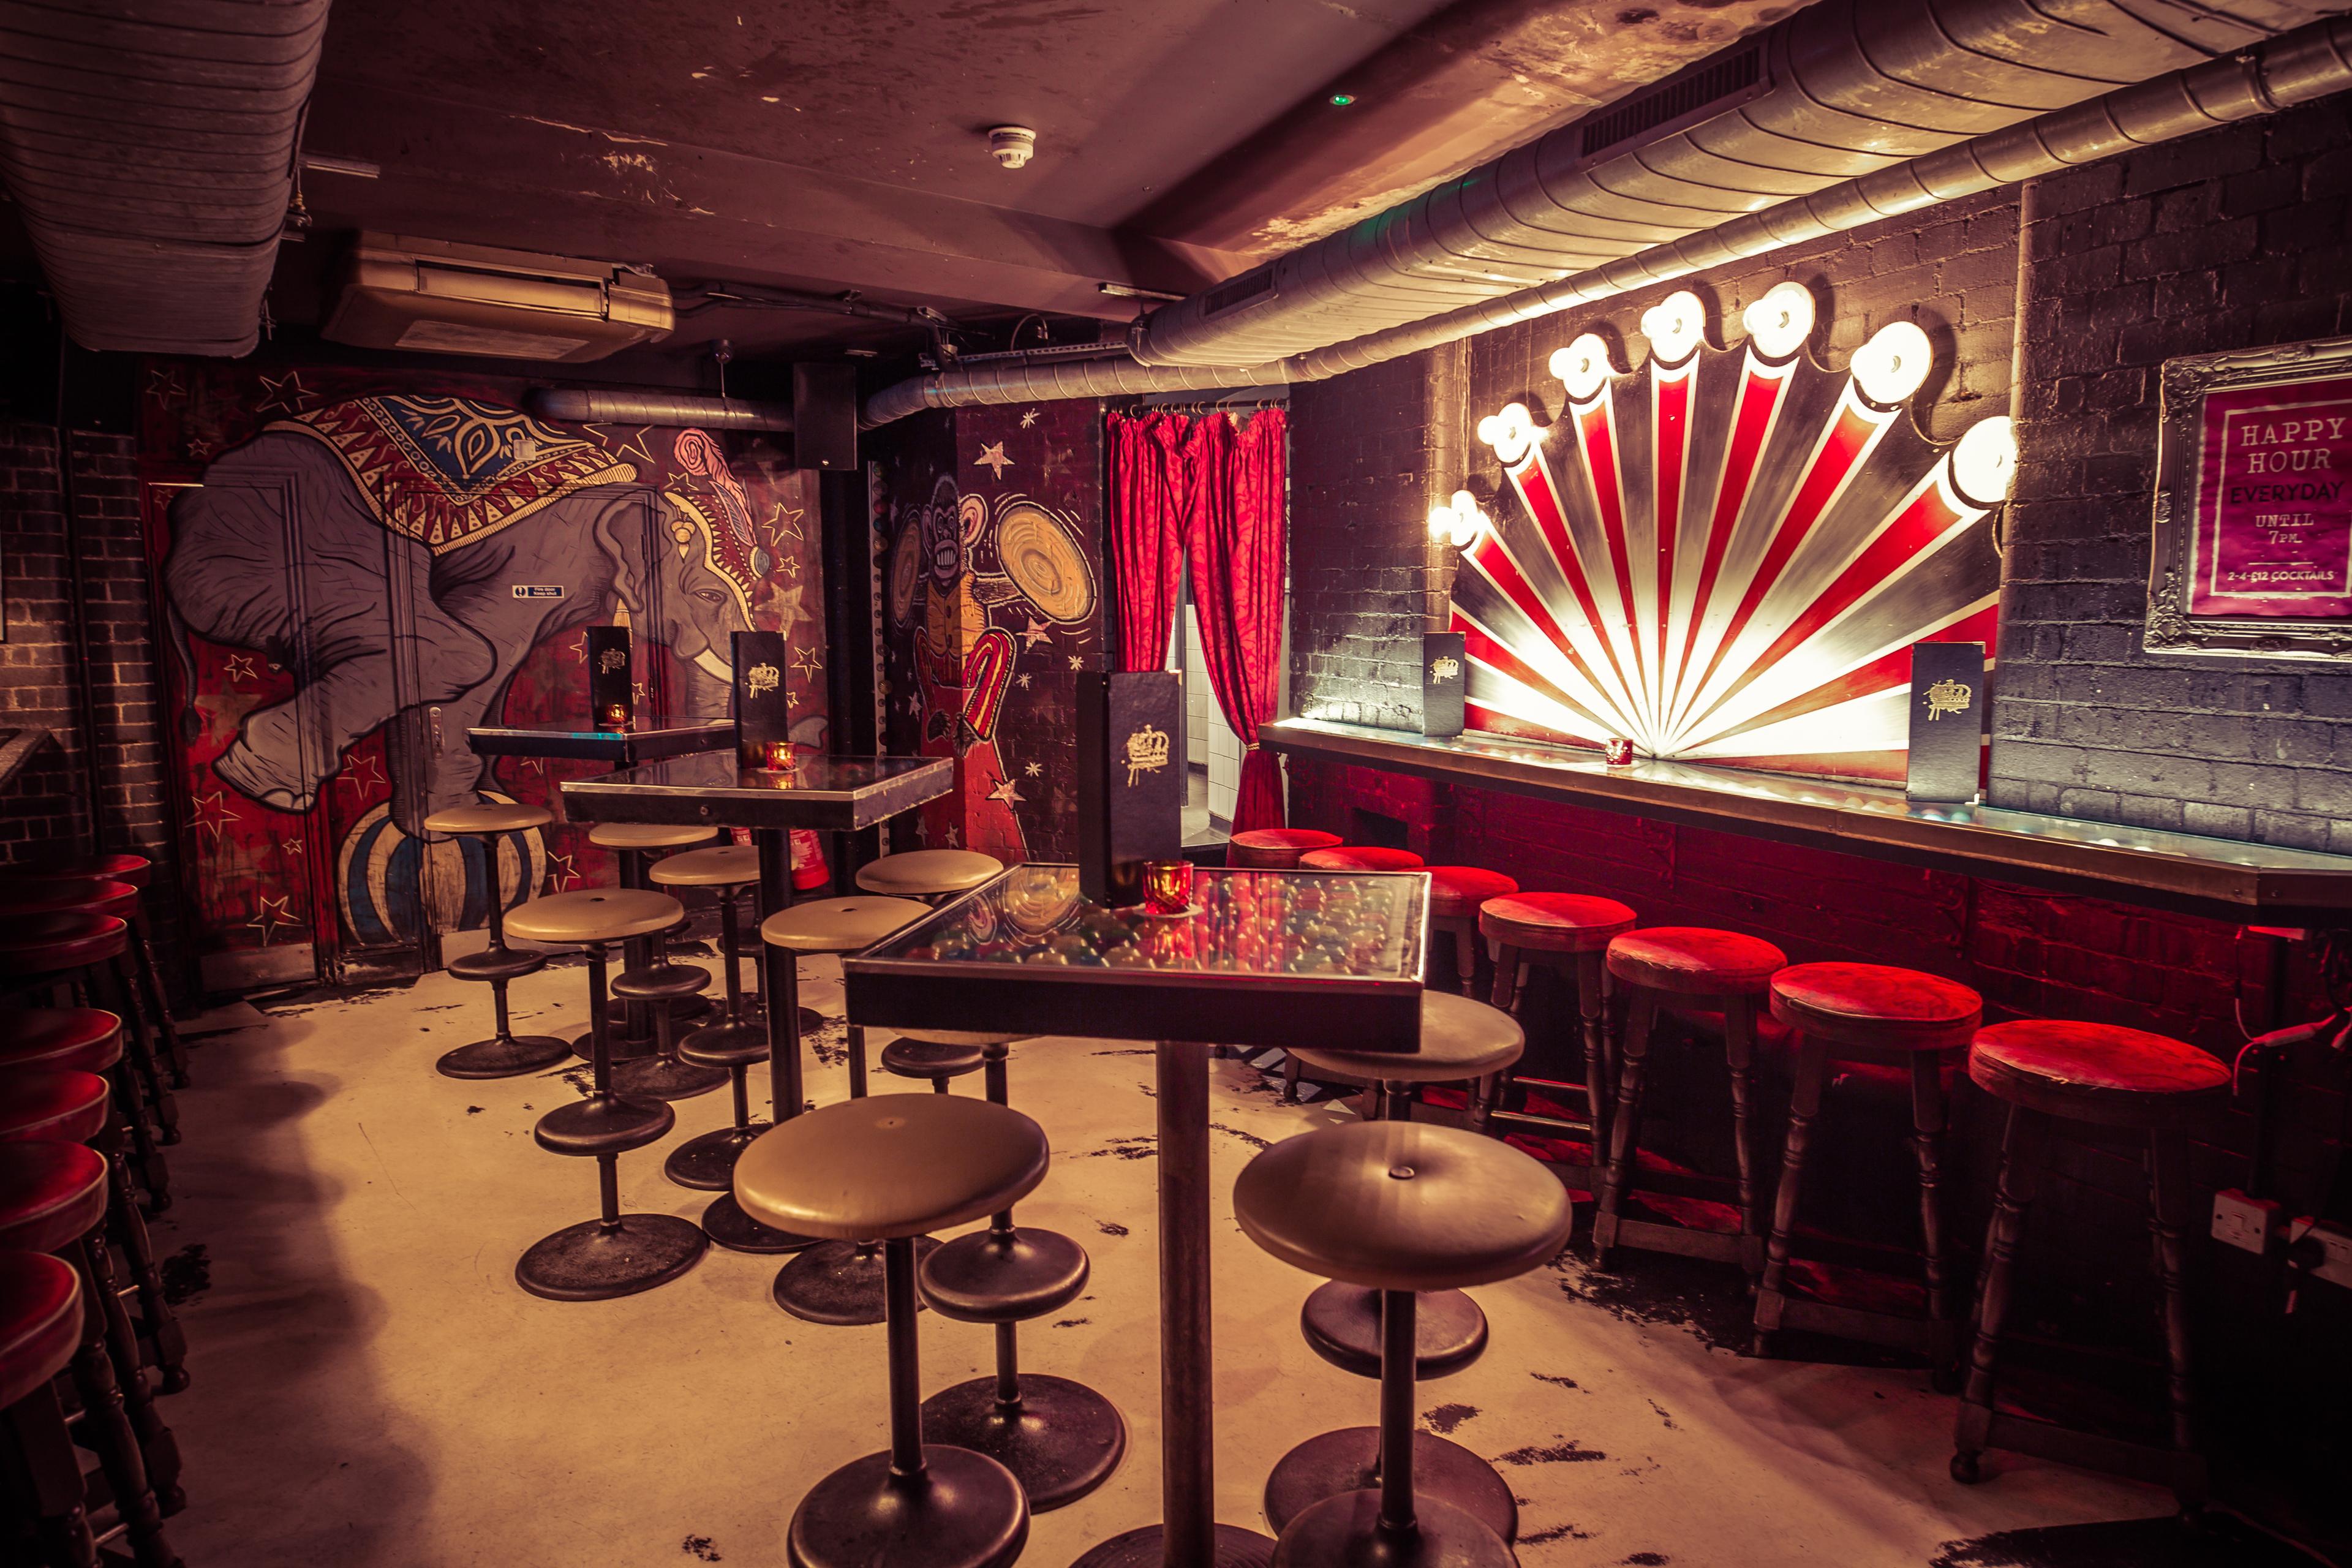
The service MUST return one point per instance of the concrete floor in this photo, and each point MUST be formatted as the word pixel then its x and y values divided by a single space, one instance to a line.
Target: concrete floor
pixel 373 1388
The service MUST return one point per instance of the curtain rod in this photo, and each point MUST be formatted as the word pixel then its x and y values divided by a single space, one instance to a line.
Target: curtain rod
pixel 1206 408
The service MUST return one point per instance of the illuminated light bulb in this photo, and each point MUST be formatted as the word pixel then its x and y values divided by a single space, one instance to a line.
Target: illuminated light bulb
pixel 1511 432
pixel 1458 520
pixel 1984 465
pixel 1779 324
pixel 1672 325
pixel 1891 366
pixel 1582 367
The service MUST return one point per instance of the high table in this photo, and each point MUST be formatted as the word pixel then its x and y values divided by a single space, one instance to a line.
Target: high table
pixel 828 795
pixel 1269 958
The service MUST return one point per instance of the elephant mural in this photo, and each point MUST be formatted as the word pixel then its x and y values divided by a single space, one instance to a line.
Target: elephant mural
pixel 401 553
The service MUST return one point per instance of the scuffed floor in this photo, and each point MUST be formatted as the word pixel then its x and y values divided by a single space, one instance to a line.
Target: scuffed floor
pixel 373 1388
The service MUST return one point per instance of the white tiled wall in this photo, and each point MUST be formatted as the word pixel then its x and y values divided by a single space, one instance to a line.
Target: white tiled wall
pixel 1209 740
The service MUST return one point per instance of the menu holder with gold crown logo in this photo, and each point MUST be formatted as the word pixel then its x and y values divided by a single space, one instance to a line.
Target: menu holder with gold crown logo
pixel 1130 780
pixel 1948 722
pixel 764 721
pixel 612 694
pixel 1444 668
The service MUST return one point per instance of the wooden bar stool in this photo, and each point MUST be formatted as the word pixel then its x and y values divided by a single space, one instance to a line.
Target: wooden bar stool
pixel 630 843
pixel 49 950
pixel 2096 1075
pixel 1060 1438
pixel 1461 1040
pixel 1569 932
pixel 504 1054
pixel 1717 971
pixel 614 1254
pixel 123 866
pixel 817 926
pixel 737 1041
pixel 927 873
pixel 1399 1207
pixel 892 1167
pixel 41 1315
pixel 109 980
pixel 1868 1012
pixel 1276 848
pixel 1360 857
pixel 69 1044
pixel 1456 893
pixel 53 1200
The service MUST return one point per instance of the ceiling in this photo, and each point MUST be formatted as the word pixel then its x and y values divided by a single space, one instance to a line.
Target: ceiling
pixel 830 145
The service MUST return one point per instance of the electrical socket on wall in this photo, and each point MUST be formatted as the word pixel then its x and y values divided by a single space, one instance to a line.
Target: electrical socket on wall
pixel 2242 1221
pixel 2337 1266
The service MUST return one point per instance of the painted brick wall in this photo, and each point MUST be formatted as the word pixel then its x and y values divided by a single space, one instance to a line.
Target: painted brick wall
pixel 2234 239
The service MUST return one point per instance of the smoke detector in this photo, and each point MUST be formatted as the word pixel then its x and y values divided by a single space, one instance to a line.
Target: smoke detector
pixel 1011 145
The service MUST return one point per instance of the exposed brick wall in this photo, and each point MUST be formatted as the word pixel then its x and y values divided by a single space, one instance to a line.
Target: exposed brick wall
pixel 57 807
pixel 2232 239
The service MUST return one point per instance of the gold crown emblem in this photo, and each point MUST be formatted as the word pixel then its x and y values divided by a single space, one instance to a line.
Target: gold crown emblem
pixel 613 658
pixel 1146 752
pixel 1947 696
pixel 764 679
pixel 1444 668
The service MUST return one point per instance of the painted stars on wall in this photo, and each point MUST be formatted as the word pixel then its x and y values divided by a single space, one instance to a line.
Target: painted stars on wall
pixel 992 458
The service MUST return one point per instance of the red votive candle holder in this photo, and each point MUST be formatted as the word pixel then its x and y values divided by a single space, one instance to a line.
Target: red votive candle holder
pixel 1619 750
pixel 766 756
pixel 1167 887
pixel 614 717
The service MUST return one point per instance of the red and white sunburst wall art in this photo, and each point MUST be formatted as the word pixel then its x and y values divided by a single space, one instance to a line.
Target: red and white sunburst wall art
pixel 1726 554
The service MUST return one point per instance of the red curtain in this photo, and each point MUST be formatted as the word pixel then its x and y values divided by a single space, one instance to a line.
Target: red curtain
pixel 1234 541
pixel 1152 467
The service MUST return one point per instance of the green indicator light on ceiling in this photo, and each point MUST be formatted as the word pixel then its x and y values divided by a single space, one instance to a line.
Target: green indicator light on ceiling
pixel 1341 100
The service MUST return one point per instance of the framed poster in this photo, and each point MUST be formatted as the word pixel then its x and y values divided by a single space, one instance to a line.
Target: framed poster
pixel 2253 505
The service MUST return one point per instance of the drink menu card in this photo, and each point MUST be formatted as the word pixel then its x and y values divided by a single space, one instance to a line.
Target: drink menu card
pixel 763 722
pixel 1130 780
pixel 1445 671
pixel 1947 720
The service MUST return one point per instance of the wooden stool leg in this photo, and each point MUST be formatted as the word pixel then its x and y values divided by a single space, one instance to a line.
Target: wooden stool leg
pixel 1739 1056
pixel 1928 1147
pixel 1466 957
pixel 139 1047
pixel 158 1449
pixel 2020 1174
pixel 1804 1104
pixel 47 1486
pixel 1617 1175
pixel 150 976
pixel 1592 1009
pixel 107 1429
pixel 1506 993
pixel 2168 1217
pixel 129 1228
pixel 149 1159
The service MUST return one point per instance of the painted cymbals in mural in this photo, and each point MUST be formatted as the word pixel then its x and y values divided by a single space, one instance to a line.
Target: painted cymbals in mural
pixel 906 573
pixel 1035 549
pixel 1036 898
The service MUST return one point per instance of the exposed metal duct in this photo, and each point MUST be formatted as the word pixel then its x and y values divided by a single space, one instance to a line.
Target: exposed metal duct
pixel 580 406
pixel 151 147
pixel 2310 63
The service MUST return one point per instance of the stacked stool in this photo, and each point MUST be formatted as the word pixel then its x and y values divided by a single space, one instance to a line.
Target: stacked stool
pixel 110 980
pixel 614 1254
pixel 831 1282
pixel 1060 1438
pixel 41 1314
pixel 1275 848
pixel 504 1054
pixel 927 873
pixel 1872 1014
pixel 1570 933
pixel 736 1042
pixel 78 949
pixel 1456 893
pixel 892 1167
pixel 1689 967
pixel 1401 1208
pixel 139 872
pixel 1360 857
pixel 1460 1040
pixel 2094 1075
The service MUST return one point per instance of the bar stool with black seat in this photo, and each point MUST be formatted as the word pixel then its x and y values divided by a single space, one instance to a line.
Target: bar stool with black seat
pixel 632 1033
pixel 1402 1209
pixel 504 1054
pixel 37 950
pixel 1060 1438
pixel 736 1041
pixel 1276 848
pixel 837 1278
pixel 1456 893
pixel 1900 1017
pixel 929 874
pixel 659 999
pixel 892 1167
pixel 1461 1041
pixel 1689 968
pixel 934 1056
pixel 1568 933
pixel 126 865
pixel 110 979
pixel 614 1254
pixel 53 1200
pixel 1360 857
pixel 40 1324
pixel 2115 1080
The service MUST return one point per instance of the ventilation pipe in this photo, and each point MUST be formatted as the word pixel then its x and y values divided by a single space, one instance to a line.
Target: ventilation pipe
pixel 151 147
pixel 2310 63
pixel 582 405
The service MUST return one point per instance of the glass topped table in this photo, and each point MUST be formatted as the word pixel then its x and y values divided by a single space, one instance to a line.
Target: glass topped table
pixel 650 738
pixel 1271 958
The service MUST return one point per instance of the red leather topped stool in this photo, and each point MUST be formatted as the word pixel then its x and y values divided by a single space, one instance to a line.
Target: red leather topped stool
pixel 39 896
pixel 2103 1076
pixel 1276 848
pixel 1720 971
pixel 77 949
pixel 1360 857
pixel 40 1324
pixel 139 871
pixel 1870 1013
pixel 1569 933
pixel 1456 894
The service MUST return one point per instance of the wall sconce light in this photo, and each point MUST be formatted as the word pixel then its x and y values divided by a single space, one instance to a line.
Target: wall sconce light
pixel 1779 324
pixel 1459 520
pixel 1674 325
pixel 1893 365
pixel 1984 465
pixel 1511 432
pixel 1582 367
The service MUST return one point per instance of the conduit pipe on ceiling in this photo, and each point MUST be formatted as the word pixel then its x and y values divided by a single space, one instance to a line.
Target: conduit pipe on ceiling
pixel 151 147
pixel 589 405
pixel 2310 63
